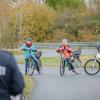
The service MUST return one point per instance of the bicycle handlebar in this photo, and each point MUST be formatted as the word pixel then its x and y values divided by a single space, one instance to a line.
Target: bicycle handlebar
pixel 30 50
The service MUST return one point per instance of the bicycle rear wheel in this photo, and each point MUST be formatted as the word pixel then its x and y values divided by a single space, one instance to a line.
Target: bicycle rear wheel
pixel 62 67
pixel 77 63
pixel 92 67
pixel 33 67
pixel 40 65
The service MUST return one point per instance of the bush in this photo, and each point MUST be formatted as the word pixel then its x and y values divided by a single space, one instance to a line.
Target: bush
pixel 37 21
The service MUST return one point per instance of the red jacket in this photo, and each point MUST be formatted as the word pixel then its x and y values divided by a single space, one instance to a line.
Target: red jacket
pixel 66 50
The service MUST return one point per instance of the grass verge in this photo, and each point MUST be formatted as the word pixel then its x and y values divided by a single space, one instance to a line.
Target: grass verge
pixel 29 83
pixel 15 51
pixel 54 61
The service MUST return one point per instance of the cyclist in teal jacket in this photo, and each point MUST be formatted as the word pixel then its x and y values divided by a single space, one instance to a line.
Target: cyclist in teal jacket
pixel 29 52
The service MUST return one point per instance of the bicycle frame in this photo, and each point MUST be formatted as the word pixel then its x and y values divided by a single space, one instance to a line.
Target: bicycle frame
pixel 31 60
pixel 64 59
pixel 97 57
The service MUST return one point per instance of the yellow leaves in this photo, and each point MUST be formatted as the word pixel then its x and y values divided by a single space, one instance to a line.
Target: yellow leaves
pixel 88 37
pixel 6 8
pixel 37 19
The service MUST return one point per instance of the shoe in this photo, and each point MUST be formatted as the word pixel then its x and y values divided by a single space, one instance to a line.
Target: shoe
pixel 75 72
pixel 69 68
pixel 25 74
pixel 39 72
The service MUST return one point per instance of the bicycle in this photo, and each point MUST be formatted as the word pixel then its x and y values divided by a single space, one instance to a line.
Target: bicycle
pixel 92 66
pixel 63 63
pixel 32 65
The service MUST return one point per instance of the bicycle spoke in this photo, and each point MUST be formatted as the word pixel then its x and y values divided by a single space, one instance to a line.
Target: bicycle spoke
pixel 92 67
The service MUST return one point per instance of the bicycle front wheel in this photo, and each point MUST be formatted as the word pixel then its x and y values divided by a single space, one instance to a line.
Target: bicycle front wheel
pixel 62 67
pixel 31 69
pixel 92 67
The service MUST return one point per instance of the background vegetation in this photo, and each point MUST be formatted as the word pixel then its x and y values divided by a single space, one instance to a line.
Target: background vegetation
pixel 51 21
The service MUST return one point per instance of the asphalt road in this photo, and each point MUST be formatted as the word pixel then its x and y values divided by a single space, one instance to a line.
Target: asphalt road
pixel 53 53
pixel 51 86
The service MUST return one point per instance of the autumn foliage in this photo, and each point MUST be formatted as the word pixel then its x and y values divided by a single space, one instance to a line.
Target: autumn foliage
pixel 48 22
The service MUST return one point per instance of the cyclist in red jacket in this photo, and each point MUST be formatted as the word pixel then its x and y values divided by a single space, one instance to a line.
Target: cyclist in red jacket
pixel 66 50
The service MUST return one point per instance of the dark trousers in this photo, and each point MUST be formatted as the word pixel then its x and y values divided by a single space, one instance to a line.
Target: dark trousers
pixel 71 67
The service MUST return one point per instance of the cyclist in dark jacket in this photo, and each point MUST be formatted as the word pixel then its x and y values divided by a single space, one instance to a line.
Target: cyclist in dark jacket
pixel 11 80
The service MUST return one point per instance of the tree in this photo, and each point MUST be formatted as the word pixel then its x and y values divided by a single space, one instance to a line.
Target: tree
pixel 37 21
pixel 7 18
pixel 92 19
pixel 94 6
pixel 73 4
pixel 68 14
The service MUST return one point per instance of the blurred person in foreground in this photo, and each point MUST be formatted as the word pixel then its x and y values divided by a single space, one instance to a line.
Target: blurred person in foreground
pixel 11 80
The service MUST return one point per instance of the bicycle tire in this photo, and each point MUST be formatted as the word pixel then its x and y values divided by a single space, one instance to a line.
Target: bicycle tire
pixel 86 67
pixel 40 65
pixel 77 63
pixel 31 69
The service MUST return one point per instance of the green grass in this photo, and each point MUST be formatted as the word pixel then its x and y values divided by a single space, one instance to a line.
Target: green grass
pixel 50 61
pixel 29 83
pixel 20 61
pixel 47 61
pixel 54 61
pixel 15 51
pixel 84 58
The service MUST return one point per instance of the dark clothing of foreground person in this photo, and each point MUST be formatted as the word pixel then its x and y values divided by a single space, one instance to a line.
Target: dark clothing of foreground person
pixel 11 80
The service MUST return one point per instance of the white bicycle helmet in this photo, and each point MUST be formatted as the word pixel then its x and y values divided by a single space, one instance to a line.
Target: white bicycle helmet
pixel 64 40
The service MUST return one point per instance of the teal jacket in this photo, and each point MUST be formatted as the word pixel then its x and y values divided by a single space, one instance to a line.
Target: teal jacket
pixel 28 51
